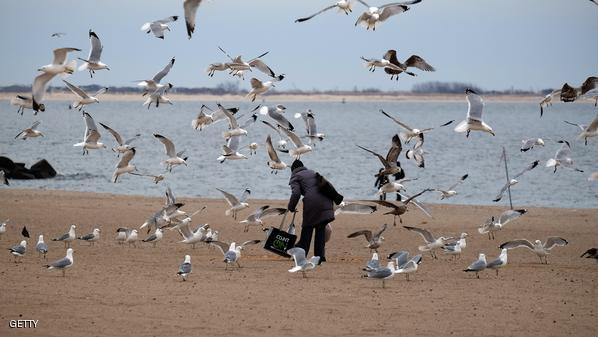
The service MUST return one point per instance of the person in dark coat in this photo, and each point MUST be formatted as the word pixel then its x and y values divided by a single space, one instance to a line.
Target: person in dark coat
pixel 318 211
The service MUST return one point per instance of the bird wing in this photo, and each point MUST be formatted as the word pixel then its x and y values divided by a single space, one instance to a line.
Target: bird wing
pixel 62 263
pixel 40 83
pixel 116 135
pixel 261 66
pixel 517 243
pixel 60 54
pixel 76 90
pixel 394 151
pixel 249 242
pixel 272 126
pixel 355 208
pixel 389 10
pixel 185 268
pixel 232 121
pixel 593 125
pixel 221 245
pixel 452 187
pixel 90 125
pixel 476 105
pixel 270 212
pixel 568 93
pixel 168 145
pixel 255 83
pixel 271 152
pixel 381 230
pixel 310 124
pixel 405 126
pixel 34 125
pixel 382 159
pixel 233 143
pixel 400 257
pixel 319 12
pixel 419 63
pixel 298 255
pixel 564 152
pixel 96 48
pixel 279 118
pixel 510 215
pixel 384 203
pixel 553 241
pixel 527 144
pixel 366 233
pixel 477 265
pixel 501 192
pixel 529 167
pixel 190 7
pixel 589 84
pixel 126 158
pixel 292 136
pixel 185 231
pixel 245 195
pixel 168 19
pixel 231 199
pixel 159 76
pixel 423 232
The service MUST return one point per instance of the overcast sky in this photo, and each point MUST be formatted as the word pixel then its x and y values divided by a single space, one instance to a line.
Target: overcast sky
pixel 530 44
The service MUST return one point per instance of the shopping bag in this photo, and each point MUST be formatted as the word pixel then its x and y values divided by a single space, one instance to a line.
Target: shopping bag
pixel 279 241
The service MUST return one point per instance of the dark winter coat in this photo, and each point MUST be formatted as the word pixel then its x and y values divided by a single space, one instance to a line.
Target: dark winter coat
pixel 317 208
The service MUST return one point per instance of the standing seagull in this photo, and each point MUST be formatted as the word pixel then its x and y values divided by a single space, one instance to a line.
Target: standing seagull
pixel 159 26
pixel 450 192
pixel 190 7
pixel 499 262
pixel 92 237
pixel 474 115
pixel 93 62
pixel 185 268
pixel 18 250
pixel 41 247
pixel 374 240
pixel 152 85
pixel 173 157
pixel 382 273
pixel 562 158
pixel 342 5
pixel 390 162
pixel 84 98
pixel 30 132
pixel 3 224
pixel 67 237
pixel 478 265
pixel 404 264
pixel 542 250
pixel 64 263
pixel 123 146
pixel 373 15
pixel 59 64
pixel 234 203
pixel 123 165
pixel 232 252
pixel 413 61
pixel 91 136
pixel 155 237
pixel 301 263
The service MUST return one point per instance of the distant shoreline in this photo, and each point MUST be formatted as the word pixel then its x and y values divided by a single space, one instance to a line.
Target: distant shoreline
pixel 283 97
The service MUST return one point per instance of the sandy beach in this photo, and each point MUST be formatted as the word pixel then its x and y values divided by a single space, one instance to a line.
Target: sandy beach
pixel 115 290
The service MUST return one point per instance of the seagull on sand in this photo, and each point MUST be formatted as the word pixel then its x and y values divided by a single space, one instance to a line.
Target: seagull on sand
pixel 257 217
pixel 122 233
pixel 174 158
pixel 18 250
pixel 235 204
pixel 155 237
pixel 159 26
pixel 300 148
pixel 190 7
pixel 450 192
pixel 41 247
pixel 185 268
pixel 413 61
pixel 123 165
pixel 432 243
pixel 514 180
pixel 3 181
pixel 478 265
pixel 67 237
pixel 474 121
pixel 455 248
pixel 499 262
pixel 59 65
pixel 382 273
pixel 274 163
pixel 491 225
pixel 547 100
pixel 93 62
pixel 123 145
pixel 562 158
pixel 343 6
pixel 64 263
pixel 541 250
pixel 390 162
pixel 92 237
pixel 529 143
pixel 132 238
pixel 591 253
pixel 410 132
pixel 373 263
pixel 587 131
pixel 301 263
pixel 3 224
pixel 25 232
pixel 30 132
pixel 258 87
pixel 374 15
pixel 152 85
pixel 570 94
pixel 84 98
pixel 91 136
pixel 374 240
pixel 232 252
pixel 400 208
pixel 404 264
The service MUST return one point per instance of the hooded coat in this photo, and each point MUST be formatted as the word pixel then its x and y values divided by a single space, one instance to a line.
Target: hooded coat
pixel 317 207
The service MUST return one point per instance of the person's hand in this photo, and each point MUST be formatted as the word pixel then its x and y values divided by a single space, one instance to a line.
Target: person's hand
pixel 342 204
pixel 292 210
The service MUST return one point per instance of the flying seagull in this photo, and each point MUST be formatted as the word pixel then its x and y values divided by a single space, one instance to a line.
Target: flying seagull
pixel 232 252
pixel 93 62
pixel 414 61
pixel 432 243
pixel 587 131
pixel 570 94
pixel 400 208
pixel 529 143
pixel 174 158
pixel 562 158
pixel 547 100
pixel 159 26
pixel 514 180
pixel 343 6
pixel 450 192
pixel 91 136
pixel 123 145
pixel 374 15
pixel 59 64
pixel 390 162
pixel 235 204
pixel 84 98
pixel 409 132
pixel 374 240
pixel 540 249
pixel 30 132
pixel 493 225
pixel 152 85
pixel 474 121
pixel 123 166
pixel 190 7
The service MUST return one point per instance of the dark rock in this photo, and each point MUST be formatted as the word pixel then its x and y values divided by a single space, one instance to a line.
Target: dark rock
pixel 40 170
pixel 43 170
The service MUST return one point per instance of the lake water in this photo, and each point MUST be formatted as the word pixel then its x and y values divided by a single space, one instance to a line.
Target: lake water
pixel 338 158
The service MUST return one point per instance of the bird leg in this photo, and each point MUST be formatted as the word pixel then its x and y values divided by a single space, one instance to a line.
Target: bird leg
pixel 63 273
pixel 304 276
pixel 467 134
pixel 238 265
pixel 477 275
